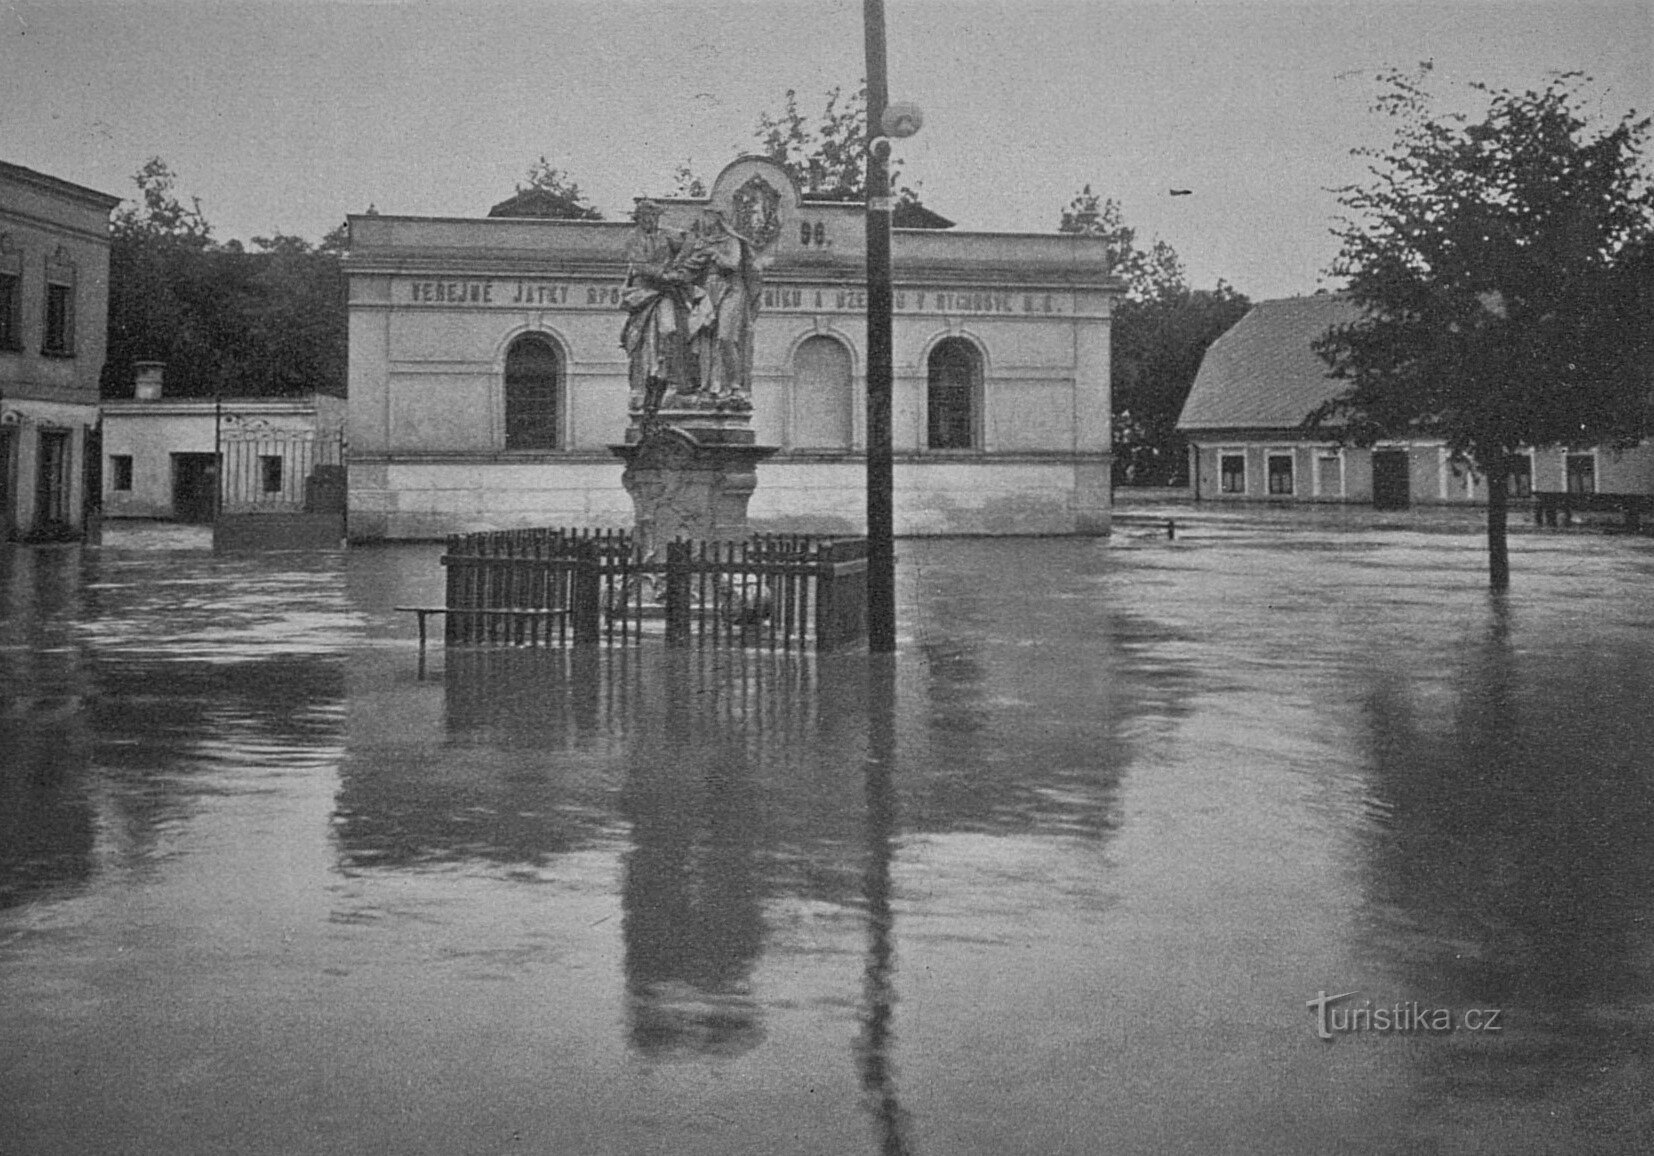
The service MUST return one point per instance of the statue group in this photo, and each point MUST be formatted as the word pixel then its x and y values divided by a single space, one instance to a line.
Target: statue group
pixel 691 297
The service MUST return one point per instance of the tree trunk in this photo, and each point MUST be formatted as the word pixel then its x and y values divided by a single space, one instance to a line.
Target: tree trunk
pixel 1498 510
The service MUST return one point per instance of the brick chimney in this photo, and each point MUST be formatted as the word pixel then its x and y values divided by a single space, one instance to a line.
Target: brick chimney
pixel 149 374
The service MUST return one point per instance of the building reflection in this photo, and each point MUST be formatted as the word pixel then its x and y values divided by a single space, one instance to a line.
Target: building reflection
pixel 731 781
pixel 48 825
pixel 1508 855
pixel 116 725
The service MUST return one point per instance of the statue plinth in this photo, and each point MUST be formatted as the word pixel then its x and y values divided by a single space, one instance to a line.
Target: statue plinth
pixel 691 468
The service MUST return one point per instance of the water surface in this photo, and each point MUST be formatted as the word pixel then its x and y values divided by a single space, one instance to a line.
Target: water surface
pixel 1059 877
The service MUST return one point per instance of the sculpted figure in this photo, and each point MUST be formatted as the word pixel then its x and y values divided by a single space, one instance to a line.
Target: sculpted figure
pixel 658 298
pixel 723 315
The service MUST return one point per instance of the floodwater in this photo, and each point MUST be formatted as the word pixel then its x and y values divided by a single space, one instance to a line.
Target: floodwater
pixel 1064 876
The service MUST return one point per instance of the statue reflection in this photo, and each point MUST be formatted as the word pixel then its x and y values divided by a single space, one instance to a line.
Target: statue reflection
pixel 694 924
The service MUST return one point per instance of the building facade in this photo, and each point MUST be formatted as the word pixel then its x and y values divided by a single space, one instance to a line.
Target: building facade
pixel 488 383
pixel 1259 381
pixel 54 310
pixel 192 459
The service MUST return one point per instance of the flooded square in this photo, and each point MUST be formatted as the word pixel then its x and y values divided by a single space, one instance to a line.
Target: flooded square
pixel 1066 874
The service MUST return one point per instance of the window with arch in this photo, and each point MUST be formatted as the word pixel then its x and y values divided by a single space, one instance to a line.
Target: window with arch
pixel 954 385
pixel 823 395
pixel 533 380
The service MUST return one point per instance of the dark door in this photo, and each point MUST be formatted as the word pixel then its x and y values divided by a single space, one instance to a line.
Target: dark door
pixel 1391 488
pixel 8 459
pixel 194 487
pixel 51 509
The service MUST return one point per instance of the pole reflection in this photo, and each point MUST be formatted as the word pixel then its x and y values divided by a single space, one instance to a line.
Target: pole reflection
pixel 876 1041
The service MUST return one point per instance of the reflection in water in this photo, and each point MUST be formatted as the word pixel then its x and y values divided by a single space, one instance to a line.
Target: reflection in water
pixel 516 774
pixel 693 888
pixel 47 822
pixel 119 715
pixel 874 1046
pixel 1510 865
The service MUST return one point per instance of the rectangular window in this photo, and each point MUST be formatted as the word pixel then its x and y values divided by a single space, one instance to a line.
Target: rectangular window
pixel 1280 474
pixel 60 320
pixel 1521 476
pixel 11 324
pixel 1582 473
pixel 269 473
pixel 120 472
pixel 1232 473
pixel 1329 476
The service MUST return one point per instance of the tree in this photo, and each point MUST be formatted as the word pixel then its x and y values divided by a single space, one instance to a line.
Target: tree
pixel 1502 269
pixel 1158 345
pixel 829 160
pixel 1161 331
pixel 548 192
pixel 1148 274
pixel 270 322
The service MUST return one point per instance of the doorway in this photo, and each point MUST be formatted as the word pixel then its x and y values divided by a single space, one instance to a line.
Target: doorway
pixel 194 487
pixel 1392 489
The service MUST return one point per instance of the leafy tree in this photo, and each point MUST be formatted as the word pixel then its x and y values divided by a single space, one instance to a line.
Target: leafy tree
pixel 1148 273
pixel 1161 331
pixel 267 322
pixel 828 159
pixel 547 192
pixel 1158 345
pixel 1502 266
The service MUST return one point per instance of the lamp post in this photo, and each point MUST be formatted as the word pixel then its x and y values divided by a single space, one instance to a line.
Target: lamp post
pixel 881 549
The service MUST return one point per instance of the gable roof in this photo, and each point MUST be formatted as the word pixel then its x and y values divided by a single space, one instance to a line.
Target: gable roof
pixel 1263 373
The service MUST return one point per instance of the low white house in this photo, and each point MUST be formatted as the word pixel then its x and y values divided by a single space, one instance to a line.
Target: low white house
pixel 188 459
pixel 1261 379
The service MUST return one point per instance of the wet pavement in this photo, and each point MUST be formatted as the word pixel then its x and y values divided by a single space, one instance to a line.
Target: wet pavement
pixel 1064 876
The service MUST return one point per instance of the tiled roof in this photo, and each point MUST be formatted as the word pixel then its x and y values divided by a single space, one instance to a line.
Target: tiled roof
pixel 1263 373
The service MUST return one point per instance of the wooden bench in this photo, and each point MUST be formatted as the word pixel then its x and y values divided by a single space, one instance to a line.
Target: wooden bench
pixel 512 613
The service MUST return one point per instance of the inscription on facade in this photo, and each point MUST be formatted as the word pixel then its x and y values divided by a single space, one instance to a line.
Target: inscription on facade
pixel 777 298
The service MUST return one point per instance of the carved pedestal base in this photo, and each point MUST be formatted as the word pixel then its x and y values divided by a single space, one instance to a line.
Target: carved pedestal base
pixel 690 473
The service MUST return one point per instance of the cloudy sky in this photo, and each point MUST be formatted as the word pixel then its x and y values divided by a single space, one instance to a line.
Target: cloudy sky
pixel 288 114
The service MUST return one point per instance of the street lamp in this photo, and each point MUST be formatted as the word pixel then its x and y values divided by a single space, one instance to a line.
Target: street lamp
pixel 889 121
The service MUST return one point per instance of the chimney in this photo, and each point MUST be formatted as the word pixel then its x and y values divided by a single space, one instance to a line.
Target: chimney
pixel 149 375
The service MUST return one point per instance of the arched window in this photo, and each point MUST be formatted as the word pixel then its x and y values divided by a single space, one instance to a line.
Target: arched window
pixel 822 395
pixel 955 380
pixel 533 376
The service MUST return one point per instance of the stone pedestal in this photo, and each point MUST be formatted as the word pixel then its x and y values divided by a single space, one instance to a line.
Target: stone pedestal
pixel 690 470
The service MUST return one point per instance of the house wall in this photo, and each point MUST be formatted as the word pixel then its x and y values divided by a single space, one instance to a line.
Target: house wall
pixel 51 232
pixel 241 431
pixel 1433 478
pixel 436 304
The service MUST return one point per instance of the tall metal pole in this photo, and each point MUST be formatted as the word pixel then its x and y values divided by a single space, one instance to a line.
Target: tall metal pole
pixel 881 549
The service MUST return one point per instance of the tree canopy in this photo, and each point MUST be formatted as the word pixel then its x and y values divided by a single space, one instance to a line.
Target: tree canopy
pixel 226 320
pixel 1162 329
pixel 1502 267
pixel 546 191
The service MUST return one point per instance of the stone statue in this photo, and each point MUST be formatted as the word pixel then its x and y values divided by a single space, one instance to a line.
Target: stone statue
pixel 731 285
pixel 658 298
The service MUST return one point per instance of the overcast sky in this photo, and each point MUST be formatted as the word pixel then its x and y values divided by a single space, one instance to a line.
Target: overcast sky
pixel 288 114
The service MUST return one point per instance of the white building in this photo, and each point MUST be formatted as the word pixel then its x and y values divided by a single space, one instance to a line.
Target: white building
pixel 54 309
pixel 487 381
pixel 163 455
